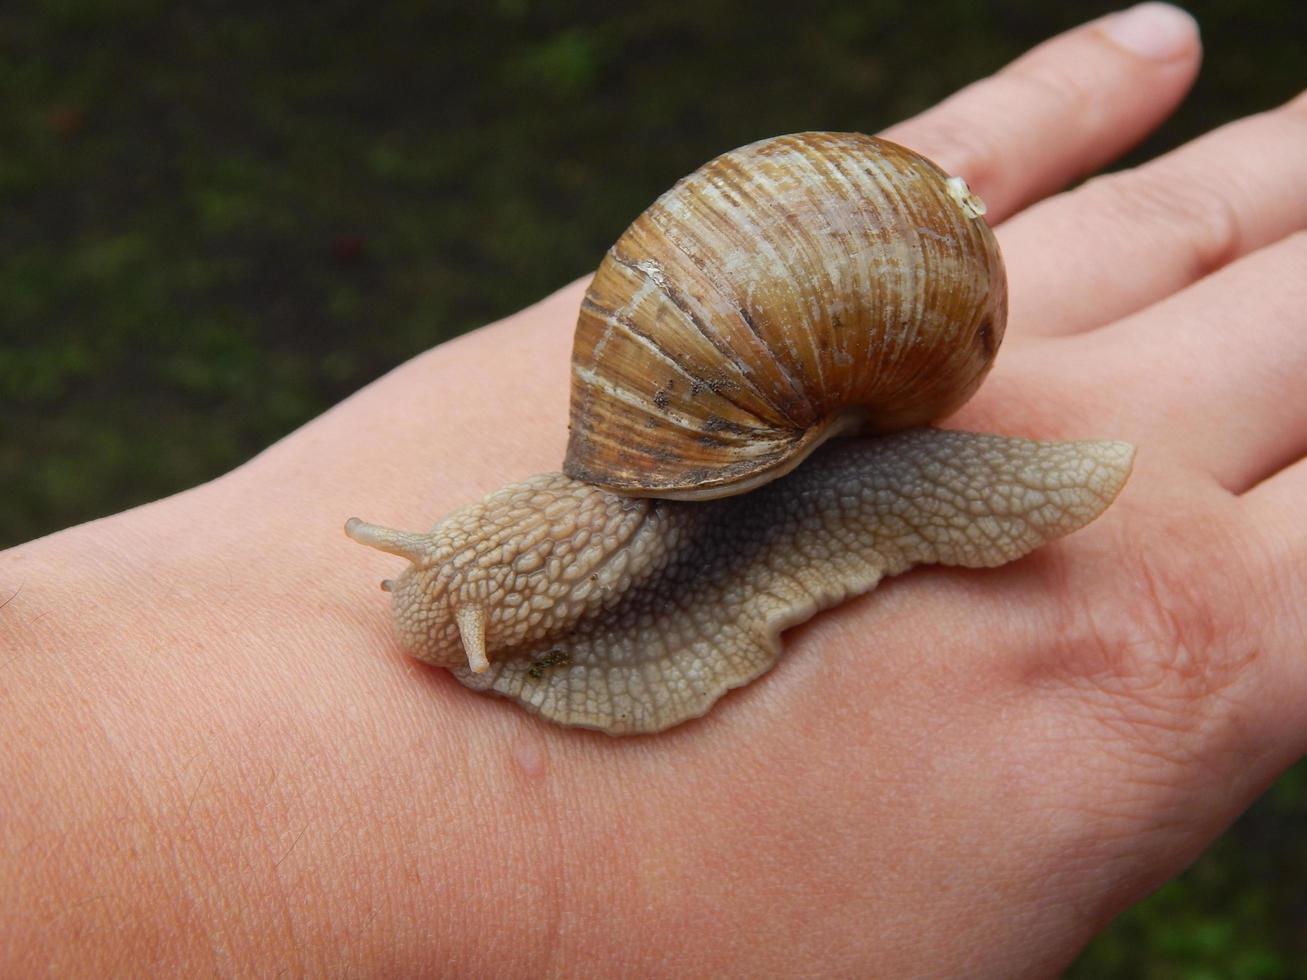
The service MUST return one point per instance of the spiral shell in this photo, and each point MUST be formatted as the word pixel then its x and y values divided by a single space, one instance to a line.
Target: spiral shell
pixel 785 291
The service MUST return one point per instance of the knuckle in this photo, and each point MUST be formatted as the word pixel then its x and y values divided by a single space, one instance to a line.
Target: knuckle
pixel 972 132
pixel 1186 211
pixel 1049 88
pixel 949 136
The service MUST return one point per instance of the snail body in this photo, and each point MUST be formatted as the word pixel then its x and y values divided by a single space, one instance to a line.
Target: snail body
pixel 794 289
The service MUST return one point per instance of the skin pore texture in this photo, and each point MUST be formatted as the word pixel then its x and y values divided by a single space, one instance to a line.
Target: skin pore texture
pixel 218 759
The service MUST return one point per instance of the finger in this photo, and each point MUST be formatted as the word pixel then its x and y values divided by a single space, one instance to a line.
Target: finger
pixel 1213 374
pixel 1121 242
pixel 1063 109
pixel 1277 508
pixel 1277 505
pixel 1275 513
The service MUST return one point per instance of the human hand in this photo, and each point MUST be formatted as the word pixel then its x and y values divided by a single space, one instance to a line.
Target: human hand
pixel 227 763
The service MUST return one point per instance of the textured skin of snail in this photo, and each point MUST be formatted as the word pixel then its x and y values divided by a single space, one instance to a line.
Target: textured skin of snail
pixel 797 288
pixel 630 615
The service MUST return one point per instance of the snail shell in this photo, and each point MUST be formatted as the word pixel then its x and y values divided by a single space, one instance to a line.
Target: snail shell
pixel 783 292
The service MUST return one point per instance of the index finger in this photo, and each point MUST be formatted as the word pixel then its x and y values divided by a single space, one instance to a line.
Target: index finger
pixel 1062 110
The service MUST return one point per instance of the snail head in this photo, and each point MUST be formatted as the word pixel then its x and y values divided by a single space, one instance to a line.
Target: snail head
pixel 522 566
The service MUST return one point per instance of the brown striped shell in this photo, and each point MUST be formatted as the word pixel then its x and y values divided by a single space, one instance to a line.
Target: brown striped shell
pixel 783 292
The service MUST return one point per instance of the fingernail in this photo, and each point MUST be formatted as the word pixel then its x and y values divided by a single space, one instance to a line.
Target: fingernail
pixel 1157 31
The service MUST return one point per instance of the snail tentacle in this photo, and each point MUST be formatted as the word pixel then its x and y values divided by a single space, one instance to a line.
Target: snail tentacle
pixel 471 621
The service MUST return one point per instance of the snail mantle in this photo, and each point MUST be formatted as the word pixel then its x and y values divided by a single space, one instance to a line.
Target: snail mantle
pixel 796 289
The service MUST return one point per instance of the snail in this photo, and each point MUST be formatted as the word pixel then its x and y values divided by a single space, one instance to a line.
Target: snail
pixel 792 290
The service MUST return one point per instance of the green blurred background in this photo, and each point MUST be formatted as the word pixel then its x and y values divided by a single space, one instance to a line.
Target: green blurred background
pixel 219 219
